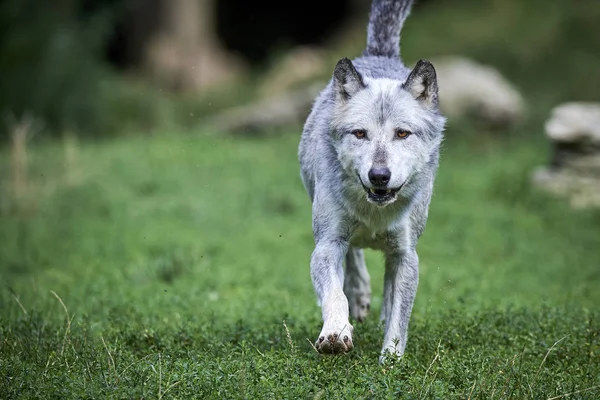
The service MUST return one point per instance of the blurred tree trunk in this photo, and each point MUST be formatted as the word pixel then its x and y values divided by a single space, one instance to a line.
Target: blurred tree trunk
pixel 185 53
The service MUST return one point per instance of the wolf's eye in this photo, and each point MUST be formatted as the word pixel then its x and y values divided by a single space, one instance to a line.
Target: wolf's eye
pixel 359 133
pixel 402 134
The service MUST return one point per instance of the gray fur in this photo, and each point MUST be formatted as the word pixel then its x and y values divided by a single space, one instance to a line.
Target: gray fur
pixel 380 97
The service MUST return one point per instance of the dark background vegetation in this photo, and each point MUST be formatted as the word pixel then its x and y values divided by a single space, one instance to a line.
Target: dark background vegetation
pixel 62 60
pixel 68 62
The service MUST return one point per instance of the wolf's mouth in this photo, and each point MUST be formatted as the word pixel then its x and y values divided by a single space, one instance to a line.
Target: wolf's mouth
pixel 380 195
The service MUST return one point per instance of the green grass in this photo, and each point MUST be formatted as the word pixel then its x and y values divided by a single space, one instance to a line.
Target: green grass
pixel 169 269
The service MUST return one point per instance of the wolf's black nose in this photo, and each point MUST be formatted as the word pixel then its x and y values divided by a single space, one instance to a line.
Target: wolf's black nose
pixel 379 176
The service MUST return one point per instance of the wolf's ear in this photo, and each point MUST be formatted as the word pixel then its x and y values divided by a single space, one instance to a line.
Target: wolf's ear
pixel 347 81
pixel 422 84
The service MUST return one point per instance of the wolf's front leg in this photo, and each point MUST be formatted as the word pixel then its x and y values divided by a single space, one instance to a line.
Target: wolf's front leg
pixel 328 279
pixel 401 281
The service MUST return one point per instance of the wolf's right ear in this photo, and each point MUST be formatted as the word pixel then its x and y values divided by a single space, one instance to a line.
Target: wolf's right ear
pixel 347 81
pixel 422 84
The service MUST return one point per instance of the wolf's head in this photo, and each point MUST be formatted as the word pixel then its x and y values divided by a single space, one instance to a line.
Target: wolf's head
pixel 386 130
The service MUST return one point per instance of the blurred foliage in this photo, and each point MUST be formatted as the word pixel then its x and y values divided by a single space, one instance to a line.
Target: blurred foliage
pixel 50 63
pixel 53 66
pixel 550 49
pixel 53 60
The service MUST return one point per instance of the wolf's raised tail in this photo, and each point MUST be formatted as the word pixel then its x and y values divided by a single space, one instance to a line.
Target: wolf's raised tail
pixel 385 22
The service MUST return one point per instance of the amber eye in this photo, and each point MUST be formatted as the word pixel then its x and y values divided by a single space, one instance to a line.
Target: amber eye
pixel 402 134
pixel 359 133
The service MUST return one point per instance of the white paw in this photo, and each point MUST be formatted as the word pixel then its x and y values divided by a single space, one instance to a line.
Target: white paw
pixel 335 340
pixel 389 354
pixel 393 349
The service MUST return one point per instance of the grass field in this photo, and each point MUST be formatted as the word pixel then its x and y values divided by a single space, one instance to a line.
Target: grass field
pixel 177 267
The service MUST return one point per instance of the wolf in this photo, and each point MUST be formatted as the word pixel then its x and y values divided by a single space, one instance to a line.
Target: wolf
pixel 368 153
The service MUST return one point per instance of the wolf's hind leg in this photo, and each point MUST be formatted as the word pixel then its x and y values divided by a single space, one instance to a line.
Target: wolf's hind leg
pixel 401 281
pixel 357 284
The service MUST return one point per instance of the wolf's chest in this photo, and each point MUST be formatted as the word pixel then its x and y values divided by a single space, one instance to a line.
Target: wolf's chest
pixel 364 237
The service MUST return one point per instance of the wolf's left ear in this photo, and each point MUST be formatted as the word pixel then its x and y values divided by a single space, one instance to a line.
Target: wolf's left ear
pixel 347 80
pixel 422 84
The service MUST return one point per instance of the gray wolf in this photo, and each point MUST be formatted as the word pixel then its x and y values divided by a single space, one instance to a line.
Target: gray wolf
pixel 368 154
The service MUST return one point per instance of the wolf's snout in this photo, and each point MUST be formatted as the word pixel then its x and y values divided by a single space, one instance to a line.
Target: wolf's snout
pixel 379 176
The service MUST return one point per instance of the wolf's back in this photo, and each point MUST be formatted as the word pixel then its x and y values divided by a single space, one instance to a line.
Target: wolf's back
pixel 385 22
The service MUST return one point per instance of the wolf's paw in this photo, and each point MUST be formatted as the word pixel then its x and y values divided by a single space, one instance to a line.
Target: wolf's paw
pixel 360 305
pixel 335 341
pixel 390 355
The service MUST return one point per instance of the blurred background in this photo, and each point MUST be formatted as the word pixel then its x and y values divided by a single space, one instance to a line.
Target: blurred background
pixel 104 68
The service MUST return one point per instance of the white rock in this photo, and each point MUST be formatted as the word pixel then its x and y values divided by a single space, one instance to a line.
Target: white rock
pixel 287 108
pixel 575 122
pixel 468 88
pixel 582 191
